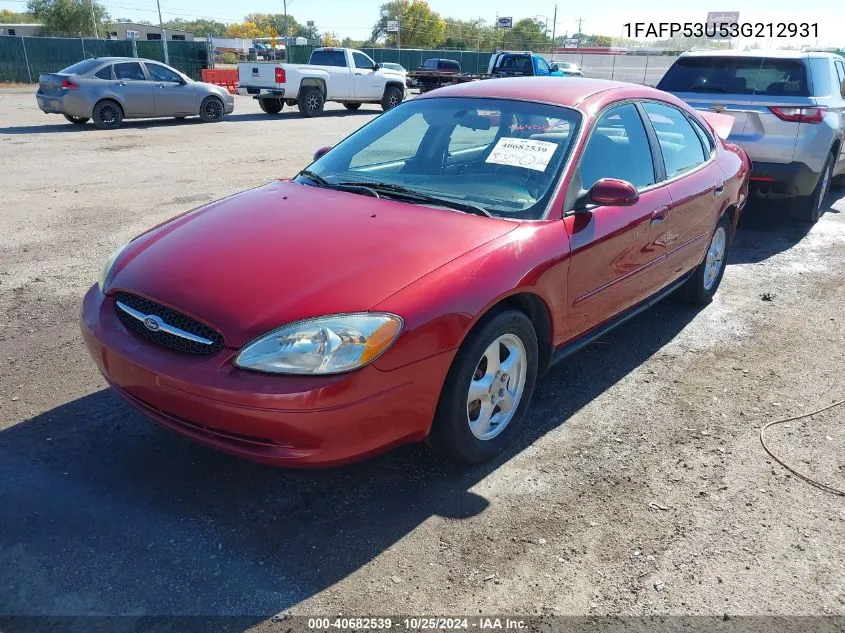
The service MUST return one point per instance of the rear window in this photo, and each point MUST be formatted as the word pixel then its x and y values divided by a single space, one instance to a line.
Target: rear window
pixel 80 68
pixel 328 58
pixel 737 75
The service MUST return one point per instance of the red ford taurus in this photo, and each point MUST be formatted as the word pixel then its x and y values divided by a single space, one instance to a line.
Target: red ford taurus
pixel 415 280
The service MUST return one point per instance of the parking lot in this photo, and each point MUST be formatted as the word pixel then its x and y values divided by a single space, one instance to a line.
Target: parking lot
pixel 639 488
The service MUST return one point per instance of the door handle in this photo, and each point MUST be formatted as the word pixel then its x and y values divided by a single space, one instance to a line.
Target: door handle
pixel 658 215
pixel 121 83
pixel 718 190
pixel 161 86
pixel 359 73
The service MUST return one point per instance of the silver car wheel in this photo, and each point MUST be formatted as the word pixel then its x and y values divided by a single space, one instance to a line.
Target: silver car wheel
pixel 715 257
pixel 496 387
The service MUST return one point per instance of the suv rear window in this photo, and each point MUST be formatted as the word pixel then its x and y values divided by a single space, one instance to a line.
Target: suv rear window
pixel 328 58
pixel 737 75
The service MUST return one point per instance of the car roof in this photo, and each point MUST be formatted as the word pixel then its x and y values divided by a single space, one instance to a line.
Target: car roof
pixel 572 92
pixel 760 52
pixel 126 59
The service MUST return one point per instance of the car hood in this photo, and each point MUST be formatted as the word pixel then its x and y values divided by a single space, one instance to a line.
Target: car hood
pixel 286 251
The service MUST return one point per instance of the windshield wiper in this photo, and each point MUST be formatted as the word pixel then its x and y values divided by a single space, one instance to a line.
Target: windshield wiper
pixel 401 192
pixel 315 177
pixel 342 186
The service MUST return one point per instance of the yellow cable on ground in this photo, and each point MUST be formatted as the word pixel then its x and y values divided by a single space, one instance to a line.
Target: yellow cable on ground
pixel 809 480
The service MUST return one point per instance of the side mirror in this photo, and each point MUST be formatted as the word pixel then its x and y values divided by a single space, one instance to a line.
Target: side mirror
pixel 611 192
pixel 554 68
pixel 376 66
pixel 321 152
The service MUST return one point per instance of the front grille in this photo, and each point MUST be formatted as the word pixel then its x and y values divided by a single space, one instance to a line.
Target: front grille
pixel 173 319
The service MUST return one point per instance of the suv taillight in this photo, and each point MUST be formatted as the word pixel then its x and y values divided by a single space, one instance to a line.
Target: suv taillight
pixel 799 115
pixel 69 84
pixel 280 75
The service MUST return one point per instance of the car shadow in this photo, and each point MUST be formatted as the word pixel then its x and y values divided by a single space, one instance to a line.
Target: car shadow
pixel 767 228
pixel 104 512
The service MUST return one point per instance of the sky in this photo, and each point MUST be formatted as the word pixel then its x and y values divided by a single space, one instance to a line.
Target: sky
pixel 354 18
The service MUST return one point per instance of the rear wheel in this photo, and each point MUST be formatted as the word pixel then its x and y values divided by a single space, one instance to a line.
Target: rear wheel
pixel 393 96
pixel 811 208
pixel 271 106
pixel 351 106
pixel 77 120
pixel 704 282
pixel 487 390
pixel 211 110
pixel 311 101
pixel 108 115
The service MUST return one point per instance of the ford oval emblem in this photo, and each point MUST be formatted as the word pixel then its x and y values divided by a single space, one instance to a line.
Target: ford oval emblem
pixel 153 323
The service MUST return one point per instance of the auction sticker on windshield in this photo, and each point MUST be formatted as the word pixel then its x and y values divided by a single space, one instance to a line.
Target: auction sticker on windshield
pixel 522 152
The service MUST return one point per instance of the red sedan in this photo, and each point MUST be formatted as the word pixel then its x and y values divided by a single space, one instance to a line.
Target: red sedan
pixel 415 281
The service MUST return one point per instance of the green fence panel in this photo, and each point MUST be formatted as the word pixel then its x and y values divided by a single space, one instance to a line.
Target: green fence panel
pixel 188 57
pixel 12 64
pixel 299 54
pixel 413 58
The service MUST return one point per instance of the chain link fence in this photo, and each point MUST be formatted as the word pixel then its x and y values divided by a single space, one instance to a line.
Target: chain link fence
pixel 23 59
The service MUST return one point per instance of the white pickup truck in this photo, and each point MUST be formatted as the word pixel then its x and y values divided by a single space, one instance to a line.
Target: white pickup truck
pixel 333 74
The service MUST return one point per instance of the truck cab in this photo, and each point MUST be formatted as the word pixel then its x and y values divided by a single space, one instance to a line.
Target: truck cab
pixel 521 64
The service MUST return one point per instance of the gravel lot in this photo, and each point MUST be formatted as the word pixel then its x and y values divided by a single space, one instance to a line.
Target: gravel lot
pixel 640 487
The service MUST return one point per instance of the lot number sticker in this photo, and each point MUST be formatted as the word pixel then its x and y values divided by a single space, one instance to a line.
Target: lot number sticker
pixel 522 152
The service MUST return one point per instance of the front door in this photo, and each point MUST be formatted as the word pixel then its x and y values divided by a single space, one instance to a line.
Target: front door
pixel 368 81
pixel 134 89
pixel 173 96
pixel 616 250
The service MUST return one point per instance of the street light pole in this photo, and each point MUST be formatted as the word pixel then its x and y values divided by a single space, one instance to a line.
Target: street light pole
pixel 93 19
pixel 163 34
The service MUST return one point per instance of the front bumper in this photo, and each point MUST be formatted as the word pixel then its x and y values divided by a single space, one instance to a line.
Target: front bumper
pixel 292 421
pixel 782 180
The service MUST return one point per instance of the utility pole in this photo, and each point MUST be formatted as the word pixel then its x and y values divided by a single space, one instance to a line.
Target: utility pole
pixel 554 24
pixel 579 20
pixel 287 30
pixel 93 19
pixel 163 34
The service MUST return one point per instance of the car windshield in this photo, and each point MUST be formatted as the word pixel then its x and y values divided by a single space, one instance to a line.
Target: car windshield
pixel 501 156
pixel 80 68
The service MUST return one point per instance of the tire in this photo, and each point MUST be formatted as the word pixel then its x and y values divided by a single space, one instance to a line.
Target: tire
pixel 311 101
pixel 351 106
pixel 108 115
pixel 392 97
pixel 77 120
pixel 212 110
pixel 270 106
pixel 811 208
pixel 704 282
pixel 838 181
pixel 458 431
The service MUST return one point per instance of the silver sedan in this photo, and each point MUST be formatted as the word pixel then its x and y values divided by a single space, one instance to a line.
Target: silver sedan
pixel 110 89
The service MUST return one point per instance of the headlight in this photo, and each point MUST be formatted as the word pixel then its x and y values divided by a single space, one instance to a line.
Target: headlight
pixel 104 273
pixel 325 345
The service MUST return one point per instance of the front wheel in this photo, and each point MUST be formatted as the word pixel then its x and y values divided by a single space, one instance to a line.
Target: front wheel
pixel 392 97
pixel 211 110
pixel 487 390
pixel 77 120
pixel 704 282
pixel 311 101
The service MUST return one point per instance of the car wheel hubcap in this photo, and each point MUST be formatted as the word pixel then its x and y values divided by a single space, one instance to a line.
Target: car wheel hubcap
pixel 108 115
pixel 715 258
pixel 394 100
pixel 496 387
pixel 213 109
pixel 313 103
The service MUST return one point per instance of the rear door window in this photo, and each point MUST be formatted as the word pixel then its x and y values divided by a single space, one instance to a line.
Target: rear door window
pixel 328 58
pixel 679 142
pixel 129 70
pixel 104 72
pixel 737 75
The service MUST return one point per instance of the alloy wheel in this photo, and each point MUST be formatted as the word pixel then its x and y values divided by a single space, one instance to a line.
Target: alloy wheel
pixel 715 257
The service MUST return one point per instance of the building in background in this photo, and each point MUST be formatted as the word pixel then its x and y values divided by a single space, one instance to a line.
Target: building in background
pixel 133 30
pixel 20 29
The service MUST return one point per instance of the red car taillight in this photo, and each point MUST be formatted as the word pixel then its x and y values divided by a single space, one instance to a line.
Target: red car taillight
pixel 280 75
pixel 69 85
pixel 799 115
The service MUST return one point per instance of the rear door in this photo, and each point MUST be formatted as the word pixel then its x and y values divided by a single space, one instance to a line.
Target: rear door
pixel 172 96
pixel 616 254
pixel 134 89
pixel 747 88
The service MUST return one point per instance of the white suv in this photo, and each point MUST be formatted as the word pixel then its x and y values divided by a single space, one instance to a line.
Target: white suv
pixel 789 116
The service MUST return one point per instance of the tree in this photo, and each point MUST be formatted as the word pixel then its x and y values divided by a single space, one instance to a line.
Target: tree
pixel 469 35
pixel 10 17
pixel 69 17
pixel 419 26
pixel 199 27
pixel 244 30
pixel 330 39
pixel 348 42
pixel 527 34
